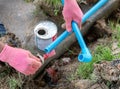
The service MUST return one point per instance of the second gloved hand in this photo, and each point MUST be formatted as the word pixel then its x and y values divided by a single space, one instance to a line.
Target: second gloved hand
pixel 72 12
pixel 20 59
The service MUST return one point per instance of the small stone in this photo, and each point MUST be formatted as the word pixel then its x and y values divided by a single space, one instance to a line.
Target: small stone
pixel 115 46
pixel 66 60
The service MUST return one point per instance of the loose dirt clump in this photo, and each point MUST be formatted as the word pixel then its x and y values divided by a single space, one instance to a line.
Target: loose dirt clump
pixel 11 40
pixel 108 72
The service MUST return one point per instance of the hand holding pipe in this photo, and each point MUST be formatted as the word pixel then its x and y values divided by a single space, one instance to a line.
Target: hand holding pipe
pixel 65 34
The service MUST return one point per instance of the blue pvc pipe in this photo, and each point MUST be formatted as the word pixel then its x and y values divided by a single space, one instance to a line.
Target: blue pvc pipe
pixel 62 2
pixel 85 55
pixel 59 39
pixel 65 34
pixel 93 10
pixel 78 34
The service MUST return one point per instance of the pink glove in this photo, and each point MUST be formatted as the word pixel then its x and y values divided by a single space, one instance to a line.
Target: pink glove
pixel 71 11
pixel 20 59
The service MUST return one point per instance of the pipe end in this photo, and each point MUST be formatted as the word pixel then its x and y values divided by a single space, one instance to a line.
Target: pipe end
pixel 46 50
pixel 84 57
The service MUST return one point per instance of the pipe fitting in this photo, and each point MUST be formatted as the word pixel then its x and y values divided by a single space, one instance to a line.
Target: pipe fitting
pixel 85 56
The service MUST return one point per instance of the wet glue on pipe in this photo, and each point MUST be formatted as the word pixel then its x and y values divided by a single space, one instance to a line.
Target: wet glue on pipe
pixel 65 34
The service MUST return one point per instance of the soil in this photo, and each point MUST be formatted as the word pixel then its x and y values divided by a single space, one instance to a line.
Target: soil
pixel 18 18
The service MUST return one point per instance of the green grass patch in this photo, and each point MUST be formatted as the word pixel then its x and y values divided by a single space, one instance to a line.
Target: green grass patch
pixel 28 0
pixel 116 30
pixel 54 3
pixel 13 83
pixel 101 53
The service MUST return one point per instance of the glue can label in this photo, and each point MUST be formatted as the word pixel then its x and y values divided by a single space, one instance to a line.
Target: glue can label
pixel 42 43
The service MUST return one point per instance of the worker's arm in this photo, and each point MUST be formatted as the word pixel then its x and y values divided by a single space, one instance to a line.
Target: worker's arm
pixel 20 59
pixel 71 11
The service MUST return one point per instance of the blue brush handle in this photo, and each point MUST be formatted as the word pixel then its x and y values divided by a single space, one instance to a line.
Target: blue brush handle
pixel 76 30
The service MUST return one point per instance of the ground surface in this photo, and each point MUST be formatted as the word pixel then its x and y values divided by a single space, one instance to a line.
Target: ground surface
pixel 18 18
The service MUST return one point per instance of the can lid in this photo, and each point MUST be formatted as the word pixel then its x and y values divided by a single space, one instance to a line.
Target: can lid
pixel 45 30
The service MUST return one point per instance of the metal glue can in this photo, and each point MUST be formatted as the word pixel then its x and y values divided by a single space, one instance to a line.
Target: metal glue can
pixel 45 33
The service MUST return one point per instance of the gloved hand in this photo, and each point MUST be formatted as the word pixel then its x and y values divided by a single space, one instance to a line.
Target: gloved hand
pixel 71 11
pixel 20 59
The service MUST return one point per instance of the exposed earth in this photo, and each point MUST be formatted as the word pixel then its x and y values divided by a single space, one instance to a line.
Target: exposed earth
pixel 19 19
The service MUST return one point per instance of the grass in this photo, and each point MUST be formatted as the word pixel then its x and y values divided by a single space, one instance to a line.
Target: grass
pixel 54 3
pixel 5 73
pixel 116 28
pixel 13 83
pixel 28 0
pixel 102 52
